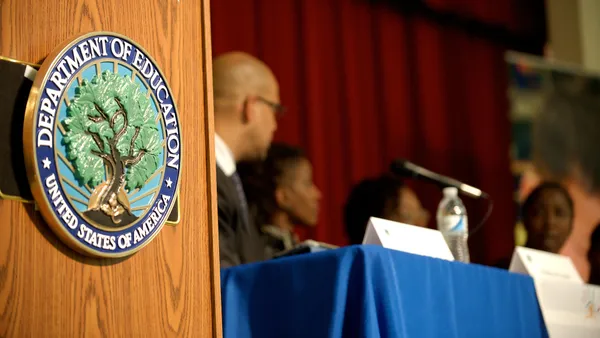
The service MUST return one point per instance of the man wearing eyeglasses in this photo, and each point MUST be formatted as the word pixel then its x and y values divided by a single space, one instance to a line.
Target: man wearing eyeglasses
pixel 246 105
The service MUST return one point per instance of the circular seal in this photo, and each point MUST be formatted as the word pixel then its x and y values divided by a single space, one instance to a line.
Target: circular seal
pixel 102 145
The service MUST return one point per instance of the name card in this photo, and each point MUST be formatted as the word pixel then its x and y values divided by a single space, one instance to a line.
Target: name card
pixel 408 238
pixel 569 309
pixel 544 265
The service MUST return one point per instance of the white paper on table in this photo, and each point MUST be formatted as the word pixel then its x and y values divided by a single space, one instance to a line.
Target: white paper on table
pixel 570 309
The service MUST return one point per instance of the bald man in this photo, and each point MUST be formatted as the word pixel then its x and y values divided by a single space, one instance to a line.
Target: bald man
pixel 246 103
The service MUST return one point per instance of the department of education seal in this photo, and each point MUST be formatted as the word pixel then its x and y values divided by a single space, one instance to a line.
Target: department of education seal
pixel 102 145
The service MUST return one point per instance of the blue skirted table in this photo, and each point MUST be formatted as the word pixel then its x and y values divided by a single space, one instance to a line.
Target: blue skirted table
pixel 369 291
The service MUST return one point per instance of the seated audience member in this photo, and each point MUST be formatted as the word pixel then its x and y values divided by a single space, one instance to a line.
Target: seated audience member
pixel 565 149
pixel 548 217
pixel 384 197
pixel 281 194
pixel 246 104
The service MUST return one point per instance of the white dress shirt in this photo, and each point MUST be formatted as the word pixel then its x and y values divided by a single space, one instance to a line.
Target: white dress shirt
pixel 224 156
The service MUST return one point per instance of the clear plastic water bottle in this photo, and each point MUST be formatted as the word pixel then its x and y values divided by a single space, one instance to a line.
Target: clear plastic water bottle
pixel 452 223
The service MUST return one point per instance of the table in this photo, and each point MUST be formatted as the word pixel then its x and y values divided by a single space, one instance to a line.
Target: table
pixel 369 291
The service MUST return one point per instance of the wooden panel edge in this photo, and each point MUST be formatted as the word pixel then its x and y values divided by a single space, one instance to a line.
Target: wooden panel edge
pixel 211 170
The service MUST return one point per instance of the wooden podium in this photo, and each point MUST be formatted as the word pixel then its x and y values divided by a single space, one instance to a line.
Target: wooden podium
pixel 171 287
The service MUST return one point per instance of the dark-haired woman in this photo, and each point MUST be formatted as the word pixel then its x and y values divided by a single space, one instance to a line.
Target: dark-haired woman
pixel 281 195
pixel 385 197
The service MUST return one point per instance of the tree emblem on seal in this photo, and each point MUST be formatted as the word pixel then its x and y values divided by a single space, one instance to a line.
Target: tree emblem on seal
pixel 112 141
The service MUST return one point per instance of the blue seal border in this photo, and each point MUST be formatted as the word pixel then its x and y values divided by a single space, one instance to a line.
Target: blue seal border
pixel 38 174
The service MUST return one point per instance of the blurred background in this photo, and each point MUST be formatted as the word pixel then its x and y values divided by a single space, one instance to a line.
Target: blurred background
pixel 451 85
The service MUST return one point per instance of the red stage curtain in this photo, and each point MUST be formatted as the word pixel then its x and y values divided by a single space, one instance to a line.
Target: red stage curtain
pixel 366 84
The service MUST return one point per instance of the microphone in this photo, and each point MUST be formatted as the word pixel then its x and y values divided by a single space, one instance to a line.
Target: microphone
pixel 406 168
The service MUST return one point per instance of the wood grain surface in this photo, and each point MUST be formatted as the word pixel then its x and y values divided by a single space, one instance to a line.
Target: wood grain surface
pixel 171 287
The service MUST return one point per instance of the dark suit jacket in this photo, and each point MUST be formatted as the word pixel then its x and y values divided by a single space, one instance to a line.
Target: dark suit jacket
pixel 238 243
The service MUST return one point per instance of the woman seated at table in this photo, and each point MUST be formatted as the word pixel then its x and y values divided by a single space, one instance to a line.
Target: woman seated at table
pixel 548 217
pixel 384 197
pixel 281 194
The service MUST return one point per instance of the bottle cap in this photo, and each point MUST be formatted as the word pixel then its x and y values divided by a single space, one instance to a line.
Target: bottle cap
pixel 450 192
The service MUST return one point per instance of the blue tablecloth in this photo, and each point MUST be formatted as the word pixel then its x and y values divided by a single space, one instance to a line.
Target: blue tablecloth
pixel 368 291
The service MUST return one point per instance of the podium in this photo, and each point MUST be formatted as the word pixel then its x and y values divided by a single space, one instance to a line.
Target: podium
pixel 171 286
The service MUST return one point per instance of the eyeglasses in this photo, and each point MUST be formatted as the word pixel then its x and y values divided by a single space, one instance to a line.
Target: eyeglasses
pixel 278 108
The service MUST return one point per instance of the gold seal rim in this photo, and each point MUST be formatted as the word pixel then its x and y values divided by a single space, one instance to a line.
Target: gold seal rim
pixel 32 169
